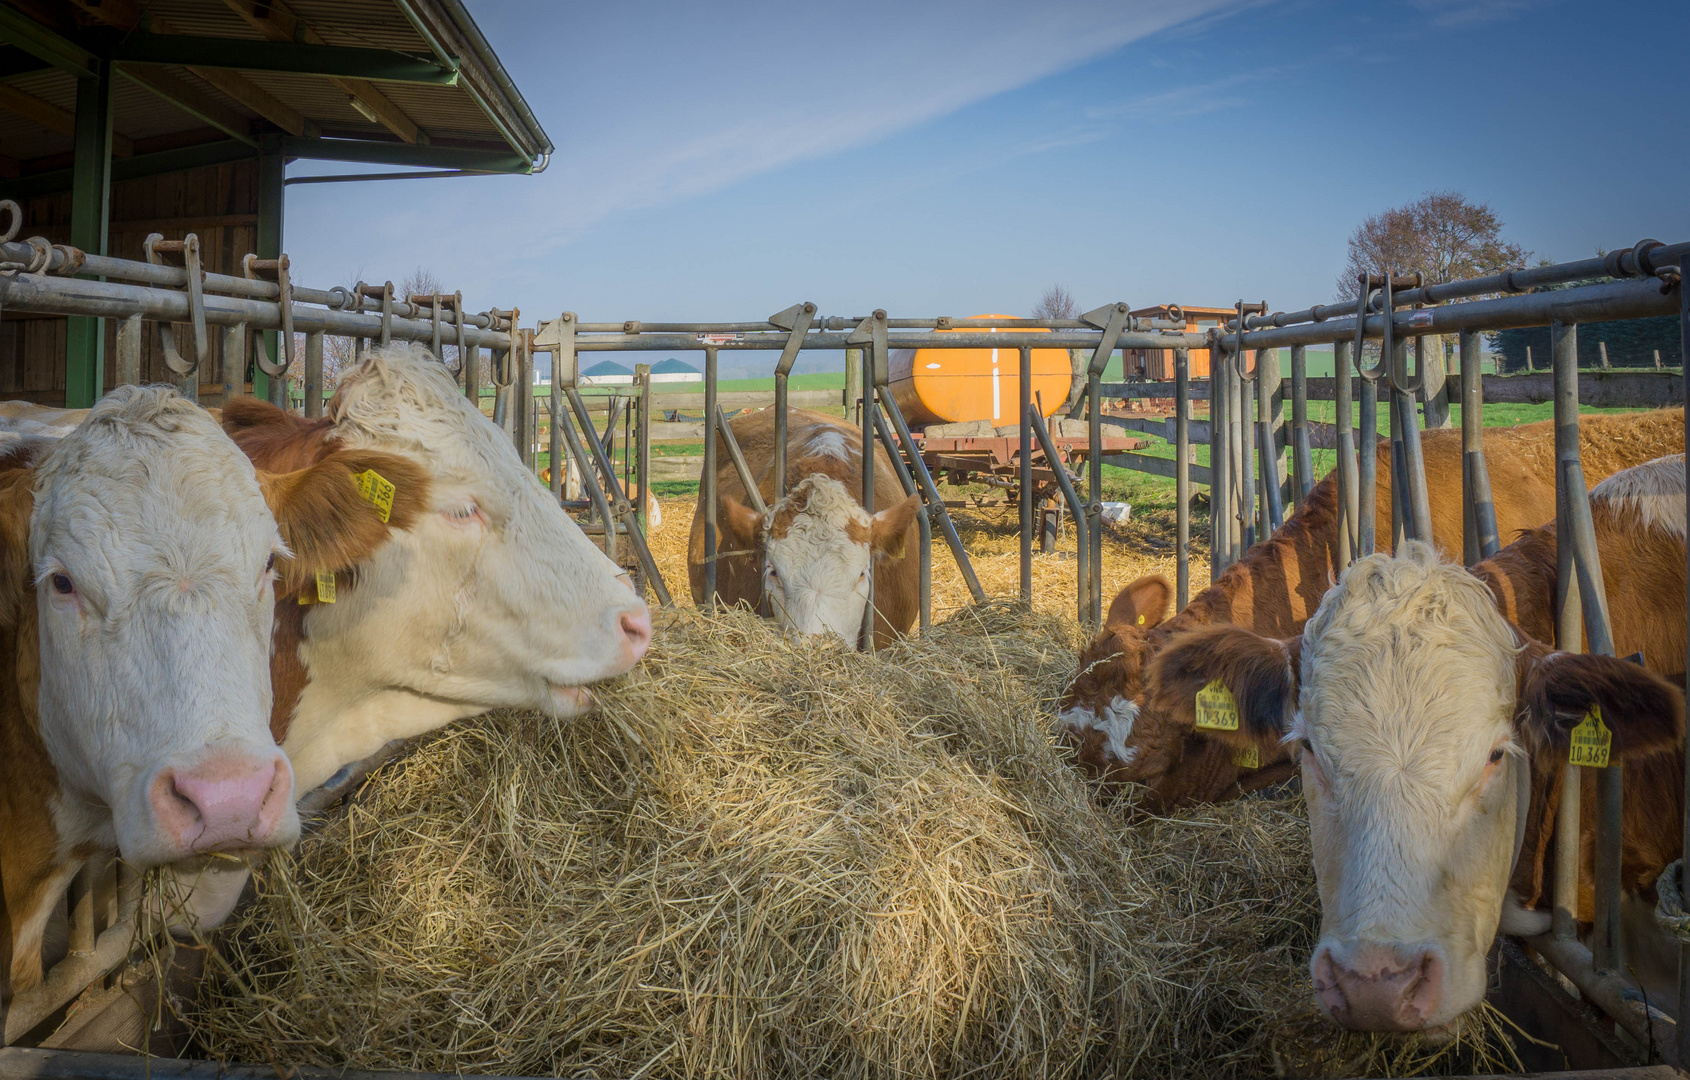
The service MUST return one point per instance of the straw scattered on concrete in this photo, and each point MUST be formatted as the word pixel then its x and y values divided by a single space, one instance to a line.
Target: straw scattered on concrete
pixel 766 859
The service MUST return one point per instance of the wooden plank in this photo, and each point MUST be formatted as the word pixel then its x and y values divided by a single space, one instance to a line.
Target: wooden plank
pixel 1155 466
pixel 20 1063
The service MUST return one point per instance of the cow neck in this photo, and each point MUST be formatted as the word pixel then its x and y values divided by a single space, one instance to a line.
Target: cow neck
pixel 282 448
pixel 37 861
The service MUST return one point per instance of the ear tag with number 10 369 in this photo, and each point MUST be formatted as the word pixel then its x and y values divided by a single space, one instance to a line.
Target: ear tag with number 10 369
pixel 1216 709
pixel 1592 741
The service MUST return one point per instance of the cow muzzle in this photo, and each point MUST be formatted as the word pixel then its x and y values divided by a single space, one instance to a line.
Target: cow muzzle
pixel 1379 987
pixel 227 801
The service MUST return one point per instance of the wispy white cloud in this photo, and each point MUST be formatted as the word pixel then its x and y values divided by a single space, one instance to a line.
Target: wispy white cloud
pixel 1463 13
pixel 681 101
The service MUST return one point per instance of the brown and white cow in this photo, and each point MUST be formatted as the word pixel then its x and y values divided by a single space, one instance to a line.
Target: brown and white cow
pixel 812 550
pixel 1110 715
pixel 1426 712
pixel 137 562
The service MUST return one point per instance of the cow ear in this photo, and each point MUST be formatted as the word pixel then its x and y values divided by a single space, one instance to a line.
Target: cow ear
pixel 1259 673
pixel 1141 605
pixel 326 520
pixel 1557 690
pixel 891 527
pixel 739 524
pixel 243 413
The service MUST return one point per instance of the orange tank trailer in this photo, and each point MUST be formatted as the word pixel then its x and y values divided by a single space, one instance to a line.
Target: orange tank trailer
pixel 948 386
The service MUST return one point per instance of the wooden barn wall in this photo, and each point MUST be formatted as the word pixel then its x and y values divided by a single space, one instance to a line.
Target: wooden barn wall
pixel 220 203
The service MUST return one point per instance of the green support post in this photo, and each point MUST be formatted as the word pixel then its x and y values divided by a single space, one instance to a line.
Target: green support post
pixel 90 210
pixel 272 170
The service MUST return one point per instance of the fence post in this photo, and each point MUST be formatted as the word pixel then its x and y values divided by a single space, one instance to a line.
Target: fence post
pixel 1182 475
pixel 708 480
pixel 1025 475
pixel 1479 509
pixel 1302 457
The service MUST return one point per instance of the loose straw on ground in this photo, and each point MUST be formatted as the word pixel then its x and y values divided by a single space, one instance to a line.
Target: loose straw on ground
pixel 768 859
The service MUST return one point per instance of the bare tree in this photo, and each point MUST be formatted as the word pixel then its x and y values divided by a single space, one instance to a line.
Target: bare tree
pixel 1056 303
pixel 339 353
pixel 1059 303
pixel 1443 236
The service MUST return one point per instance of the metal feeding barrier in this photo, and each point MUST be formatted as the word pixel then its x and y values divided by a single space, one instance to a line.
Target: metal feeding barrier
pixel 1247 435
pixel 799 328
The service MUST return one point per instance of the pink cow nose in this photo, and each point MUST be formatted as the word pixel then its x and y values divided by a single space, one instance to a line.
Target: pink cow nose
pixel 636 634
pixel 227 801
pixel 1379 989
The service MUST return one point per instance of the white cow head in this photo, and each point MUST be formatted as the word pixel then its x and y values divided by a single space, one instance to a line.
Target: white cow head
pixel 495 599
pixel 1419 710
pixel 151 554
pixel 817 543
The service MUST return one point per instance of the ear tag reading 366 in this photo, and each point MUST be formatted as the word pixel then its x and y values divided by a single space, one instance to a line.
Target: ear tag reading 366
pixel 1216 709
pixel 1247 757
pixel 1592 741
pixel 377 490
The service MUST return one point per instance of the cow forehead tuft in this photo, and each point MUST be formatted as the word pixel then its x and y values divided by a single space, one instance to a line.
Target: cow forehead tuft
pixel 817 503
pixel 401 398
pixel 1403 648
pixel 147 438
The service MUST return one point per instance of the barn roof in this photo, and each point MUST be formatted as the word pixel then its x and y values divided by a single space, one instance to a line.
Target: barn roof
pixel 608 367
pixel 393 82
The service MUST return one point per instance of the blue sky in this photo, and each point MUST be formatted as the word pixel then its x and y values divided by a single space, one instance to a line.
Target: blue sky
pixel 725 161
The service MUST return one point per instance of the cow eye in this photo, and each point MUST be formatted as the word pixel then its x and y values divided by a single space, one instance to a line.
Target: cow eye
pixel 771 572
pixel 270 563
pixel 63 585
pixel 1496 755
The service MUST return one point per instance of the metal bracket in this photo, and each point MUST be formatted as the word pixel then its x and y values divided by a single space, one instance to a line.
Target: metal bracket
pixel 1258 308
pixel 796 321
pixel 274 270
pixel 1111 320
pixel 872 332
pixel 564 359
pixel 188 250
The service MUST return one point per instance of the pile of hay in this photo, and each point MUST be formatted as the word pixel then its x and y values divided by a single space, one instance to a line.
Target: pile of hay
pixel 762 859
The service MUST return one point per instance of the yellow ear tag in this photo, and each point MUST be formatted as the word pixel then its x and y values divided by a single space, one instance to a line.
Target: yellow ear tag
pixel 1216 709
pixel 377 490
pixel 1247 757
pixel 325 587
pixel 1141 620
pixel 1592 741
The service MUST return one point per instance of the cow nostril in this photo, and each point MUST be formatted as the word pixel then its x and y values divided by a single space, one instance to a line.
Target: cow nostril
pixel 636 628
pixel 181 800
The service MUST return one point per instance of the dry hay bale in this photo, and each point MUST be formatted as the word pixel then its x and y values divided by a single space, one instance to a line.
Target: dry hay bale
pixel 765 859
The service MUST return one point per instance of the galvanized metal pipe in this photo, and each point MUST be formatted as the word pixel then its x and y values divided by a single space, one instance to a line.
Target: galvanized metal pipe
pixel 1267 448
pixel 1082 542
pixel 1482 541
pixel 1220 461
pixel 924 520
pixel 1025 474
pixel 709 479
pixel 1616 300
pixel 590 484
pixel 912 339
pixel 642 441
pixel 935 505
pixel 1094 505
pixel 1243 459
pixel 1623 262
pixel 1569 620
pixel 869 413
pixel 746 480
pixel 1302 456
pixel 1182 477
pixel 1349 507
pixel 1614 996
pixel 1367 512
pixel 110 299
pixel 129 351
